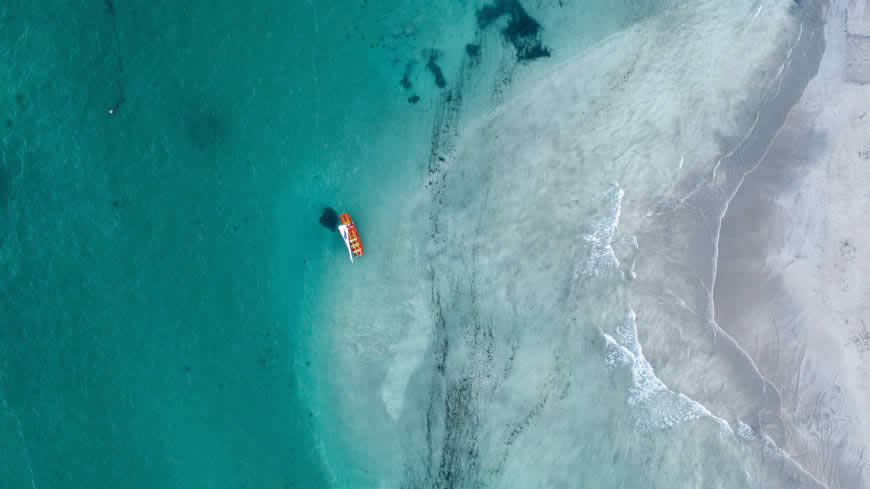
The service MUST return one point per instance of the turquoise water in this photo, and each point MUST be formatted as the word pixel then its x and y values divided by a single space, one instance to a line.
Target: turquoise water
pixel 174 315
pixel 154 260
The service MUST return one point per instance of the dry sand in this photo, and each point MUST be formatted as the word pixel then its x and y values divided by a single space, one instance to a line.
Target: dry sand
pixel 792 287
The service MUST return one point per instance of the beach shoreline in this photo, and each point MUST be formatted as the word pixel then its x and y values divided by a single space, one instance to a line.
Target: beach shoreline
pixel 789 288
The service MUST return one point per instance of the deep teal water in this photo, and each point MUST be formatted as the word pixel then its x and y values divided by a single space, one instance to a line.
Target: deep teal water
pixel 154 261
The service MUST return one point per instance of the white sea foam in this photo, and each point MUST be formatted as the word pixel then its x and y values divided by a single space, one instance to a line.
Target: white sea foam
pixel 745 431
pixel 660 407
pixel 601 238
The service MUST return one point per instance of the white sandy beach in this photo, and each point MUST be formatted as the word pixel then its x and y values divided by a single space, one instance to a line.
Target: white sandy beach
pixel 792 288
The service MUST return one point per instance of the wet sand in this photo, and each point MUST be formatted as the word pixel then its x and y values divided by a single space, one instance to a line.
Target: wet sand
pixel 794 245
pixel 676 262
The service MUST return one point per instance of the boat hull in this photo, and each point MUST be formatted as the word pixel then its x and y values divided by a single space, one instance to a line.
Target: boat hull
pixel 350 235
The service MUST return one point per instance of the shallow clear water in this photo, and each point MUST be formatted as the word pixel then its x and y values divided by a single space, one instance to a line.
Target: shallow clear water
pixel 530 183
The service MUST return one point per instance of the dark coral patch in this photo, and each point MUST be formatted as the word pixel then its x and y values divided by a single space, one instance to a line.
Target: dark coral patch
pixel 523 31
pixel 329 219
pixel 433 67
pixel 405 82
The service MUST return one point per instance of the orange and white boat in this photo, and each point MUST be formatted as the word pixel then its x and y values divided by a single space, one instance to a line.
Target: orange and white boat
pixel 350 236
